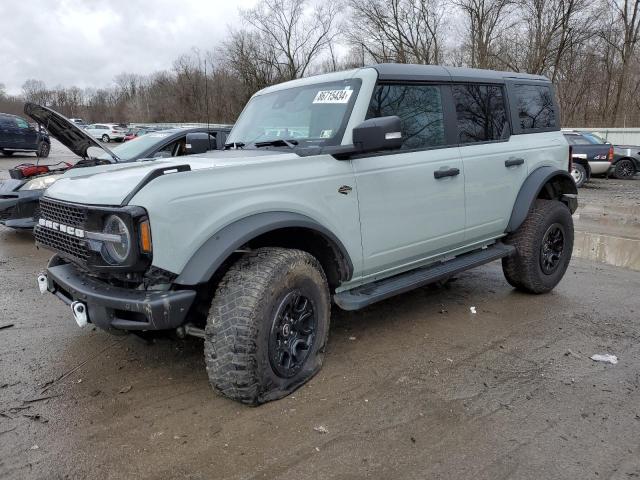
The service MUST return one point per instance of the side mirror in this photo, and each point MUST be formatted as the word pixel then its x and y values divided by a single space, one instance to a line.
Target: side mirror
pixel 375 134
pixel 200 142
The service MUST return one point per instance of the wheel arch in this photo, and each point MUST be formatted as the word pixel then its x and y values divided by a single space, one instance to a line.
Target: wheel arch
pixel 281 229
pixel 634 161
pixel 548 183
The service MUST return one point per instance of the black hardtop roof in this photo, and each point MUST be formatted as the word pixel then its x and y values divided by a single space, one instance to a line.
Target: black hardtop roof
pixel 410 72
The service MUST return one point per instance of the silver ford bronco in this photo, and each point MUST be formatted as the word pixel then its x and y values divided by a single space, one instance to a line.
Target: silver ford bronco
pixel 349 188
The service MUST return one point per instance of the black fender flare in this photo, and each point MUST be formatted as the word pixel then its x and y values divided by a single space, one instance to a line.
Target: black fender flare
pixel 532 187
pixel 213 252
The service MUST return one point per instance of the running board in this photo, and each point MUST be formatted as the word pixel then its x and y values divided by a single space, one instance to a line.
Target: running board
pixel 365 295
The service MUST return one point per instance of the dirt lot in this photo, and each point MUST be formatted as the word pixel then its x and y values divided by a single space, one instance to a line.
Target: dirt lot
pixel 415 387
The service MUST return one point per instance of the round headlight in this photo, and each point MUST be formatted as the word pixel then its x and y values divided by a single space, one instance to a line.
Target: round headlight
pixel 116 251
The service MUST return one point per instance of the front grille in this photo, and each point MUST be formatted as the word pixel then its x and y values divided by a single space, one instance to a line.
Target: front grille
pixel 65 214
pixel 62 242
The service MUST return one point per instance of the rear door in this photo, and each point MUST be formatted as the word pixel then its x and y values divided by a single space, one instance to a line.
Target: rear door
pixel 26 135
pixel 494 164
pixel 8 132
pixel 411 200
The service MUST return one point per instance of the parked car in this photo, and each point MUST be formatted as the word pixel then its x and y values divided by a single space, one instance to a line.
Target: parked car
pixel 18 136
pixel 19 198
pixel 626 161
pixel 78 121
pixel 106 132
pixel 139 131
pixel 591 155
pixel 398 176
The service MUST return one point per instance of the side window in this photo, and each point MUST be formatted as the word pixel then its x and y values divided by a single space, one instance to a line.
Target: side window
pixel 480 113
pixel 577 140
pixel 419 108
pixel 535 107
pixel 22 123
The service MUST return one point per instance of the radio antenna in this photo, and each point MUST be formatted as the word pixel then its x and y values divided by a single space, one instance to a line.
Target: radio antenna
pixel 206 99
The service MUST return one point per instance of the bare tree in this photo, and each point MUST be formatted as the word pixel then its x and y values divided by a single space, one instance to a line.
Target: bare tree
pixel 402 31
pixel 627 13
pixel 487 20
pixel 292 33
pixel 35 91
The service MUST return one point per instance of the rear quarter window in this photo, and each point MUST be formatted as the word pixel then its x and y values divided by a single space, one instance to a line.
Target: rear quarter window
pixel 535 107
pixel 481 114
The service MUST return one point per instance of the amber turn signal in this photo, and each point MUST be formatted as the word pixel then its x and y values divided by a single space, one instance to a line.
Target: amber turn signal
pixel 145 237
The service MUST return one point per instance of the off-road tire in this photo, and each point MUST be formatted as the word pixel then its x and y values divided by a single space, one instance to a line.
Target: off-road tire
pixel 105 138
pixel 581 173
pixel 523 270
pixel 624 169
pixel 7 153
pixel 43 150
pixel 244 309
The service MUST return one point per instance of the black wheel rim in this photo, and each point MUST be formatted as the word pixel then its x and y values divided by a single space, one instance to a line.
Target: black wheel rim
pixel 626 169
pixel 552 248
pixel 292 335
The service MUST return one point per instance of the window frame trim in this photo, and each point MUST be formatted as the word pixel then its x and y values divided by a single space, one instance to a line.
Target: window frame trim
pixel 507 108
pixel 450 119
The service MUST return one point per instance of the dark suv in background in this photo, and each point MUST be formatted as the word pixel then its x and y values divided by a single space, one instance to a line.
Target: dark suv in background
pixel 17 135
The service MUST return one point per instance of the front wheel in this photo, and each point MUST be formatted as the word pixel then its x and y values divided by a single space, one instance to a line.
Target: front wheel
pixel 544 243
pixel 105 138
pixel 579 174
pixel 267 326
pixel 624 169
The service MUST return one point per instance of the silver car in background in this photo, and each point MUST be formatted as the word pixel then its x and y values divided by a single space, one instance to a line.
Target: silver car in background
pixel 107 132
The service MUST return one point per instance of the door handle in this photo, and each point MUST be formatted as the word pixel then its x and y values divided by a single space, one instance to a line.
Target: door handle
pixel 513 162
pixel 451 172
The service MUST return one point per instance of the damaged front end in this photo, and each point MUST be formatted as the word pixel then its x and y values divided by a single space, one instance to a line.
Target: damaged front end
pixel 102 268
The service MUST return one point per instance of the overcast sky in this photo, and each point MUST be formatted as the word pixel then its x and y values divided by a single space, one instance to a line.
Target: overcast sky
pixel 88 42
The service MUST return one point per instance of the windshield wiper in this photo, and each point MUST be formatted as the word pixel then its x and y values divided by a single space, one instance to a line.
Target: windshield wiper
pixel 291 143
pixel 233 145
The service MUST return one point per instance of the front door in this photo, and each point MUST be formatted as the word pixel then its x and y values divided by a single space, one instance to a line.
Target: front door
pixel 411 200
pixel 8 132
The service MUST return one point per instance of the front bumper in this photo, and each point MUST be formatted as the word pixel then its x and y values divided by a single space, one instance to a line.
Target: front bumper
pixel 110 307
pixel 18 209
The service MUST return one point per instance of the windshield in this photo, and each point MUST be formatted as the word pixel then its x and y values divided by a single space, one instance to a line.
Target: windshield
pixel 133 148
pixel 312 115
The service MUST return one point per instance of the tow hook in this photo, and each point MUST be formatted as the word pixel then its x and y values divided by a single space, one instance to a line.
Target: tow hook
pixel 42 283
pixel 189 329
pixel 79 310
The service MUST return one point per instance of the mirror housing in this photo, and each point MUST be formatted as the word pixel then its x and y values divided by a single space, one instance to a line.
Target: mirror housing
pixel 200 142
pixel 376 134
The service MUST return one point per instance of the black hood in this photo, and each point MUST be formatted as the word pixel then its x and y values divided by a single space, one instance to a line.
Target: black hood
pixel 64 130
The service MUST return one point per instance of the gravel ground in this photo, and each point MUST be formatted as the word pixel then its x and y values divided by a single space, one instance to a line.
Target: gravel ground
pixel 414 387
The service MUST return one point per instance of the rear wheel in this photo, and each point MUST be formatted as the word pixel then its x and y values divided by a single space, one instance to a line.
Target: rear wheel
pixel 579 174
pixel 43 150
pixel 544 243
pixel 268 325
pixel 105 138
pixel 624 169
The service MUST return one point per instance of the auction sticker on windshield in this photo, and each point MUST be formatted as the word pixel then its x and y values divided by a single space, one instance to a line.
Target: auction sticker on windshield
pixel 333 96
